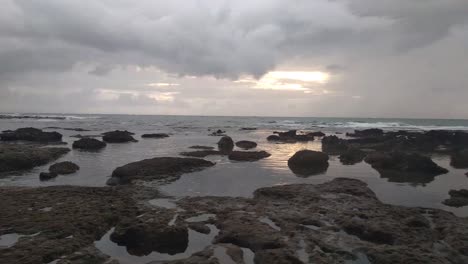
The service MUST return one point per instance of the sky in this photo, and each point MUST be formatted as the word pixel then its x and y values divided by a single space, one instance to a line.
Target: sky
pixel 331 58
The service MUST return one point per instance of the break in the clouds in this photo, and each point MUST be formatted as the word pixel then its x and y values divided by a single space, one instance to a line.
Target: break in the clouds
pixel 401 58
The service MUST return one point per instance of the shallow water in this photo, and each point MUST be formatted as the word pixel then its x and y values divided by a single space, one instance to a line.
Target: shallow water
pixel 229 178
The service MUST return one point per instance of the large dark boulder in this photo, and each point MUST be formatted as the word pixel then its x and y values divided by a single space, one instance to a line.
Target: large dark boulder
pixel 290 136
pixel 308 162
pixel 459 159
pixel 88 144
pixel 65 167
pixel 23 157
pixel 273 138
pixel 245 144
pixel 457 198
pixel 30 134
pixel 248 155
pixel 161 168
pixel 404 167
pixel 352 156
pixel 334 145
pixel 44 176
pixel 118 136
pixel 226 145
pixel 155 135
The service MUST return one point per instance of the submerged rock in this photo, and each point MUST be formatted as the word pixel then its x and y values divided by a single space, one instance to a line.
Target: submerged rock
pixel 459 159
pixel 248 155
pixel 457 198
pixel 201 153
pixel 88 144
pixel 290 136
pixel 245 144
pixel 308 162
pixel 371 132
pixel 161 168
pixel 65 167
pixel 22 157
pixel 201 147
pixel 273 138
pixel 226 145
pixel 316 134
pixel 30 134
pixel 156 135
pixel 118 136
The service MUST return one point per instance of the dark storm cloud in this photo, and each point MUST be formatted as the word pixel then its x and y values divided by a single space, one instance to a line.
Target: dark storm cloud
pixel 383 56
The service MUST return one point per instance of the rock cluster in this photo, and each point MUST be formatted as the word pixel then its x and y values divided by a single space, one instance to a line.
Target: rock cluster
pixel 30 134
pixel 118 136
pixel 291 136
pixel 88 144
pixel 155 135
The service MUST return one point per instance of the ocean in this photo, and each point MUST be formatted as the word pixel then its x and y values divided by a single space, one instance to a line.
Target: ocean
pixel 229 178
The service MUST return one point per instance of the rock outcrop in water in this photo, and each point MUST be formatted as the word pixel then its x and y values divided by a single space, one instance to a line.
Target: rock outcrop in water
pixel 248 155
pixel 201 153
pixel 290 136
pixel 162 168
pixel 30 134
pixel 458 198
pixel 308 162
pixel 88 144
pixel 225 145
pixel 118 136
pixel 201 147
pixel 334 145
pixel 64 167
pixel 155 135
pixel 245 144
pixel 14 157
pixel 459 159
pixel 352 156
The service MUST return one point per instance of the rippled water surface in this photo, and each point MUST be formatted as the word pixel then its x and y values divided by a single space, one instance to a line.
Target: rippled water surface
pixel 230 178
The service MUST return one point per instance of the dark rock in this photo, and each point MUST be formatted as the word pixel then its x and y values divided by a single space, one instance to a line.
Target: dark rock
pixel 403 167
pixel 201 153
pixel 225 145
pixel 218 133
pixel 316 134
pixel 118 136
pixel 308 162
pixel 273 138
pixel 459 159
pixel 65 167
pixel 457 198
pixel 248 128
pixel 352 156
pixel 44 176
pixel 333 145
pixel 31 134
pixel 248 155
pixel 245 144
pixel 157 135
pixel 146 235
pixel 31 117
pixel 68 128
pixel 162 168
pixel 201 147
pixel 23 157
pixel 88 144
pixel 276 256
pixel 372 132
pixel 199 227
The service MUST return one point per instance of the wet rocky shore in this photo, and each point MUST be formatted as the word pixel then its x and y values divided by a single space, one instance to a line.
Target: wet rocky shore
pixel 339 221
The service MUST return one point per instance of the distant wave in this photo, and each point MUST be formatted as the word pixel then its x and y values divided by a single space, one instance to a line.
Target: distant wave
pixel 45 117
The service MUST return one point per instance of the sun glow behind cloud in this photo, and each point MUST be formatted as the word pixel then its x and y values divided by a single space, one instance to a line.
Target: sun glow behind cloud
pixel 288 80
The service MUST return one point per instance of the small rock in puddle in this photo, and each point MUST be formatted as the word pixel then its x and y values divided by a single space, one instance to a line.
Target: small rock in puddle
pixel 200 218
pixel 196 242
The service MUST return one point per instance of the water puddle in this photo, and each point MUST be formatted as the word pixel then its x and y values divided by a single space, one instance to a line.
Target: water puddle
pixel 361 258
pixel 249 255
pixel 9 240
pixel 164 203
pixel 46 209
pixel 312 227
pixel 173 220
pixel 200 218
pixel 269 222
pixel 222 256
pixel 197 242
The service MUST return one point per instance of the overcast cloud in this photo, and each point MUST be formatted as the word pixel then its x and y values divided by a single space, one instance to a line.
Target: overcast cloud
pixel 387 58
